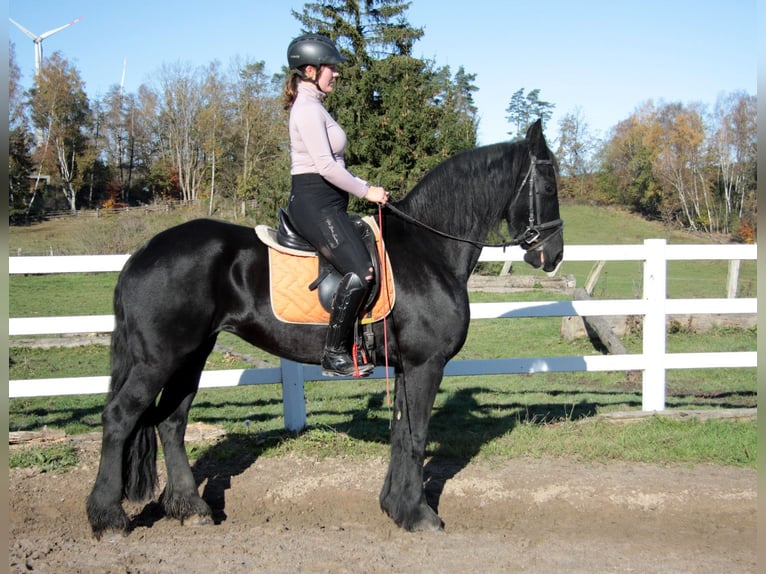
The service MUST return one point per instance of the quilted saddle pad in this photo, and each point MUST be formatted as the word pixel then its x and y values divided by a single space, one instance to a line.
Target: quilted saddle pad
pixel 292 271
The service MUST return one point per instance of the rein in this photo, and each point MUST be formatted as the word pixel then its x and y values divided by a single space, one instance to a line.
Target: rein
pixel 529 239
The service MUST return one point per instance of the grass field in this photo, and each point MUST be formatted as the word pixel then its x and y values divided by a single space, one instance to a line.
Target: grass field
pixel 509 415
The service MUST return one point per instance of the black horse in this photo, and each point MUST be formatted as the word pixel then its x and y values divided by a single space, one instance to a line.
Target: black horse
pixel 190 282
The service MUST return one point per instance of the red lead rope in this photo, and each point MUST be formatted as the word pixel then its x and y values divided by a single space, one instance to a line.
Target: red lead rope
pixel 384 284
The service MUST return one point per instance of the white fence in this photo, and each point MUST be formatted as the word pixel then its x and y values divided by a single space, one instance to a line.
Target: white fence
pixel 654 306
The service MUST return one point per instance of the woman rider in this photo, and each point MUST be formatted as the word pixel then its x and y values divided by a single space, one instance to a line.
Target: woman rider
pixel 319 196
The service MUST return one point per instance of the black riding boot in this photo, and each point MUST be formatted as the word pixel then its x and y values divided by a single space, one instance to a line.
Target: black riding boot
pixel 346 304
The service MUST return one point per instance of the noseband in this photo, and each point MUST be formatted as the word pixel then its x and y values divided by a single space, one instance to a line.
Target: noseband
pixel 529 239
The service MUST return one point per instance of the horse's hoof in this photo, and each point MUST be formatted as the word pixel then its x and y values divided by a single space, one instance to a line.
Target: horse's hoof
pixel 426 526
pixel 197 520
pixel 429 524
pixel 111 535
pixel 425 520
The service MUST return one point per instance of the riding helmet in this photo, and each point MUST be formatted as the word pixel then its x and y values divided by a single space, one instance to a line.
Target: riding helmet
pixel 314 49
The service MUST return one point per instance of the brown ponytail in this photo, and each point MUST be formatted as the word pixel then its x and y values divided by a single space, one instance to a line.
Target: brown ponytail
pixel 291 89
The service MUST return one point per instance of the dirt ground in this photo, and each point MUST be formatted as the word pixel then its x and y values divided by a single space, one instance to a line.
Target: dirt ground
pixel 290 514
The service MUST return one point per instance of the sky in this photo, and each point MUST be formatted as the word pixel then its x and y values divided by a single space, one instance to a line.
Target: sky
pixel 599 58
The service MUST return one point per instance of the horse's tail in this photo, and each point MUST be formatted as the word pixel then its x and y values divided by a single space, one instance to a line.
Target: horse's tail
pixel 139 458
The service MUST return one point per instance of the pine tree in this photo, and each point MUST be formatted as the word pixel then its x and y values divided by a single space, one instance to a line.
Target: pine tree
pixel 525 110
pixel 403 115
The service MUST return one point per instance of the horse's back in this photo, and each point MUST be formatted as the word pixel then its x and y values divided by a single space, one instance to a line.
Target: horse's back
pixel 183 275
pixel 197 239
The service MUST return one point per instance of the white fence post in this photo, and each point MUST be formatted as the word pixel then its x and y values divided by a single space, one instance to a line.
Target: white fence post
pixel 293 395
pixel 655 289
pixel 733 279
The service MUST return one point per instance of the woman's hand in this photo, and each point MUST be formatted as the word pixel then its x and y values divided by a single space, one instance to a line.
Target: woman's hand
pixel 377 194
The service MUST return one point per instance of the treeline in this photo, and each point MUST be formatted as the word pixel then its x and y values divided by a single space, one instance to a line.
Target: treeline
pixel 686 165
pixel 218 134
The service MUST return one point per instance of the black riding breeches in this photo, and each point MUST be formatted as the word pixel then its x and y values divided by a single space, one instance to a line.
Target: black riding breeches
pixel 318 210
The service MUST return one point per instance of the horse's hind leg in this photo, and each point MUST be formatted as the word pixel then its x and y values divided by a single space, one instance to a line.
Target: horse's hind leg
pixel 126 423
pixel 181 499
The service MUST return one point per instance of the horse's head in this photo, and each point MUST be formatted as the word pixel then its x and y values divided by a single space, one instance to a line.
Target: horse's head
pixel 533 215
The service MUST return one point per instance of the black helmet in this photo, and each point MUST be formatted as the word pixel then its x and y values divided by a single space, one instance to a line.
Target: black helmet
pixel 313 49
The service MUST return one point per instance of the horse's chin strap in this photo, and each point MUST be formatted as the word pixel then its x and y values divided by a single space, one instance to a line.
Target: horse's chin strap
pixel 528 240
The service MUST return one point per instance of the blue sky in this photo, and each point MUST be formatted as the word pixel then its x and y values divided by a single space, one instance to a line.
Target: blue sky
pixel 603 57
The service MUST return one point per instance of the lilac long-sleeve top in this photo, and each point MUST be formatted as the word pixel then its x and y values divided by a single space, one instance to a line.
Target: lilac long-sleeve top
pixel 317 142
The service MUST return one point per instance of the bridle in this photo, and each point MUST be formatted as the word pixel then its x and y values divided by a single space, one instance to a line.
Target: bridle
pixel 529 239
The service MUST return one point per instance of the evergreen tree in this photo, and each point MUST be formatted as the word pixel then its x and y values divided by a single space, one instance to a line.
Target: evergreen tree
pixel 20 165
pixel 402 115
pixel 525 110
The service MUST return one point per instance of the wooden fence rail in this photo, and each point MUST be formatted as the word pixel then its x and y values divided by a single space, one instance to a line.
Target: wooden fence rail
pixel 654 305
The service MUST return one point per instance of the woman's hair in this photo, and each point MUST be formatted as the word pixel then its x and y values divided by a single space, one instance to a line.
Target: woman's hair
pixel 291 89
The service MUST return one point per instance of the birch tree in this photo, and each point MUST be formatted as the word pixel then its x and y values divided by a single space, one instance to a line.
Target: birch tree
pixel 576 146
pixel 733 151
pixel 61 114
pixel 680 163
pixel 181 99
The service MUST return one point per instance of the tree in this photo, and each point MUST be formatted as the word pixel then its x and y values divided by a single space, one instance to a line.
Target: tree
pixel 680 165
pixel 180 107
pixel 733 153
pixel 259 137
pixel 685 166
pixel 627 157
pixel 61 113
pixel 575 154
pixel 402 114
pixel 20 164
pixel 16 104
pixel 150 164
pixel 212 121
pixel 524 110
pixel 117 130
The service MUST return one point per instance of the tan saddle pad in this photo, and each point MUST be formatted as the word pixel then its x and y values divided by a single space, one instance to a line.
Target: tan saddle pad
pixel 291 272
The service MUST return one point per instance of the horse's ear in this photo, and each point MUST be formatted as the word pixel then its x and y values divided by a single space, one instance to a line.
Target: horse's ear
pixel 535 138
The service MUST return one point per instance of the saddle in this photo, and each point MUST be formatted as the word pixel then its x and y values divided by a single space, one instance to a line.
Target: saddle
pixel 303 282
pixel 328 277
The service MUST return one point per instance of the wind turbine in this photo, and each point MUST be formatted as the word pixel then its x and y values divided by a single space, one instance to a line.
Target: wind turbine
pixel 38 40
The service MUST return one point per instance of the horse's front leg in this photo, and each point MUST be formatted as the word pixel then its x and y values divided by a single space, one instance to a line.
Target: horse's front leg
pixel 403 497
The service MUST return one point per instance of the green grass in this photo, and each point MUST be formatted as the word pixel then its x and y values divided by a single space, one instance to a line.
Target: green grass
pixel 584 225
pixel 500 416
pixel 55 458
pixel 587 225
pixel 550 414
pixel 66 294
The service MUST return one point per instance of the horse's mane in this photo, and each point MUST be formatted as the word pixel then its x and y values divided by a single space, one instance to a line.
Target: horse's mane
pixel 470 190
